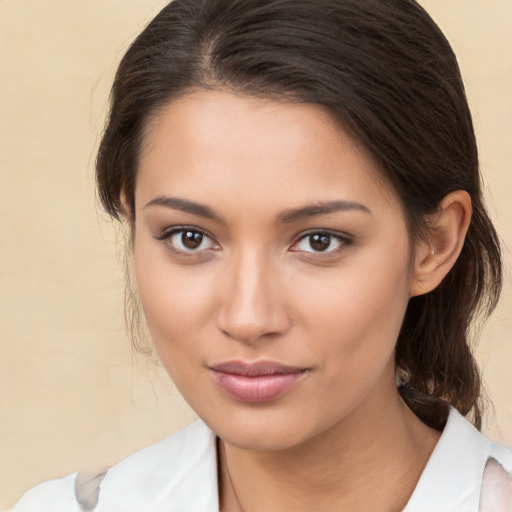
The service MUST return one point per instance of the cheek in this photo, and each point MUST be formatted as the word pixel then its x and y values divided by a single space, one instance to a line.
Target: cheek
pixel 177 301
pixel 360 310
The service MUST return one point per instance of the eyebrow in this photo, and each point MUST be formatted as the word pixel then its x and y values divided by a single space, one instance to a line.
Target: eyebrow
pixel 321 208
pixel 186 206
pixel 285 217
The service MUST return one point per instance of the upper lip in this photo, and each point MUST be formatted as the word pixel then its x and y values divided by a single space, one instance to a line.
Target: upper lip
pixel 255 369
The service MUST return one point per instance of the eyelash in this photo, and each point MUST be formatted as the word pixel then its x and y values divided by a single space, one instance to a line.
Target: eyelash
pixel 344 241
pixel 167 235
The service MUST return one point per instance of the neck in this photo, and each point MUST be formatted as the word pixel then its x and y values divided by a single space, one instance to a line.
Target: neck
pixel 371 460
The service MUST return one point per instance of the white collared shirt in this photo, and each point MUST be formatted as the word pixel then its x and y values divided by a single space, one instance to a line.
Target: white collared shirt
pixel 179 474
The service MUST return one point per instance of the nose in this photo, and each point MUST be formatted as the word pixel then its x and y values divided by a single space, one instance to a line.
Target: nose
pixel 253 302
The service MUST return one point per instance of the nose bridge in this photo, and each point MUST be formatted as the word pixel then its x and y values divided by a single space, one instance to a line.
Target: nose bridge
pixel 252 304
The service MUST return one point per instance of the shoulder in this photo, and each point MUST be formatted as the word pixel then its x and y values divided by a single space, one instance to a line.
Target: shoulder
pixel 177 474
pixel 496 488
pixel 51 496
pixel 453 478
pixel 163 476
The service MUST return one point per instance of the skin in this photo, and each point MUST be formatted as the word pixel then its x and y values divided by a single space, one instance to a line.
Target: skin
pixel 256 289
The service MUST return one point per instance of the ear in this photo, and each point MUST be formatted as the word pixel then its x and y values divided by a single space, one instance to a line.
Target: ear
pixel 437 254
pixel 127 209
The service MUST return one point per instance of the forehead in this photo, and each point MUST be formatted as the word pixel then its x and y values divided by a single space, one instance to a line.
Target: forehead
pixel 210 144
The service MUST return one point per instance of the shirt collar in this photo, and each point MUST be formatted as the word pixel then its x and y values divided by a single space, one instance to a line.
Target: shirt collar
pixel 452 478
pixel 180 473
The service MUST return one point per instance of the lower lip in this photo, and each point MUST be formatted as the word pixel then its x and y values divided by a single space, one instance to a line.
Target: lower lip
pixel 262 388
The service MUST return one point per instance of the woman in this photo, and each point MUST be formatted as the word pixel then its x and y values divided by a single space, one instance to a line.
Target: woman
pixel 310 247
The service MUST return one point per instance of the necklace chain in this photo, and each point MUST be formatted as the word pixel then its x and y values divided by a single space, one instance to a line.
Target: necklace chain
pixel 229 477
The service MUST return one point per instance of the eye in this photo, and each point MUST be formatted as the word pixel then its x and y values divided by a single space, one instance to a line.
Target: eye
pixel 187 240
pixel 320 242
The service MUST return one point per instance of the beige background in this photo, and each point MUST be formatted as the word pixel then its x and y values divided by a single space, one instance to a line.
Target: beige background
pixel 71 393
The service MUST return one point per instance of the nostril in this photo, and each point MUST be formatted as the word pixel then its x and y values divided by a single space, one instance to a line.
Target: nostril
pixel 243 327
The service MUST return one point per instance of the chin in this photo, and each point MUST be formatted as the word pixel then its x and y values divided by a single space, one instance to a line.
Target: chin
pixel 260 428
pixel 257 440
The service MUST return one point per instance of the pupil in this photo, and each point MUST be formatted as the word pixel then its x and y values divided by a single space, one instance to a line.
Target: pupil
pixel 320 242
pixel 191 239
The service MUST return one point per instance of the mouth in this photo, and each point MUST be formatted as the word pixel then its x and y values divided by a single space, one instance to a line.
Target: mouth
pixel 262 381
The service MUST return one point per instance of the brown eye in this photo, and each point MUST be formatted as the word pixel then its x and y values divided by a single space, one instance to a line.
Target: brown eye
pixel 320 241
pixel 187 241
pixel 191 239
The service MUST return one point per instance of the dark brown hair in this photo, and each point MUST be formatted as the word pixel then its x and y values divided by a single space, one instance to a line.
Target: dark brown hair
pixel 386 72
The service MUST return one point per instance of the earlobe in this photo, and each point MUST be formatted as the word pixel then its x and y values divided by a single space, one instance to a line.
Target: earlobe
pixel 437 254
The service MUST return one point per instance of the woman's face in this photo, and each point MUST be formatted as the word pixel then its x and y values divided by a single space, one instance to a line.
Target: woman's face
pixel 274 267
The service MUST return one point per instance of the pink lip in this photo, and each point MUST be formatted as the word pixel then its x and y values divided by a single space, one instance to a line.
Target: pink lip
pixel 255 382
